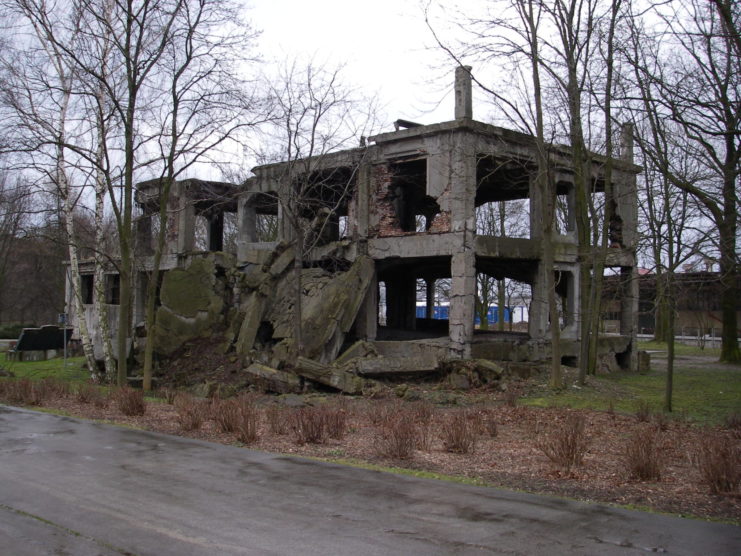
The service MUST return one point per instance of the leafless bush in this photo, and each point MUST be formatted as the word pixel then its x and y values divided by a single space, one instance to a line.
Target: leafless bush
pixel 130 402
pixel 511 395
pixel 488 423
pixel 642 456
pixel 277 418
pixel 86 392
pixel 719 461
pixel 226 414
pixel 23 392
pixel 397 436
pixel 566 443
pixel 191 412
pixel 56 388
pixel 422 413
pixel 662 420
pixel 380 413
pixel 335 422
pixel 169 395
pixel 308 425
pixel 733 422
pixel 643 411
pixel 248 427
pixel 459 432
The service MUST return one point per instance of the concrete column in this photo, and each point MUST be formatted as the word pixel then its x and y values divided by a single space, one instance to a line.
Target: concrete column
pixel 536 209
pixel 629 313
pixel 185 231
pixel 429 298
pixel 143 231
pixel 463 260
pixel 363 201
pixel 462 303
pixel 626 197
pixel 463 93
pixel 366 323
pixel 538 311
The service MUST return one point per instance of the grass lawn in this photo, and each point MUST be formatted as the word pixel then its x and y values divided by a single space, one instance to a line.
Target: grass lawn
pixel 702 392
pixel 55 368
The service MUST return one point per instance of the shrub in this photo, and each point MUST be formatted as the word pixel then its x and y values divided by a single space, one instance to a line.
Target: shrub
pixel 643 411
pixel 85 392
pixel 226 414
pixel 733 422
pixel 381 413
pixel 488 424
pixel 308 425
pixel 662 420
pixel 248 424
pixel 397 437
pixel 642 458
pixel 719 463
pixel 459 432
pixel 55 387
pixel 23 392
pixel 130 402
pixel 566 443
pixel 191 412
pixel 169 395
pixel 277 419
pixel 335 422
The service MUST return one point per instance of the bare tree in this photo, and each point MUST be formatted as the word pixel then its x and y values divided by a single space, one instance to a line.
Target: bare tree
pixel 690 99
pixel 314 115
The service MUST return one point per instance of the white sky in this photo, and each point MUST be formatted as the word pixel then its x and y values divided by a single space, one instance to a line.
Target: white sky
pixel 385 45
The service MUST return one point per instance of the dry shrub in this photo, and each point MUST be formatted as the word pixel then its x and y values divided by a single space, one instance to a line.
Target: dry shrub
pixel 130 402
pixel 397 436
pixel 23 392
pixel 191 412
pixel 335 421
pixel 422 414
pixel 308 425
pixel 226 414
pixel 662 421
pixel 86 392
pixel 168 394
pixel 733 422
pixel 56 388
pixel 459 432
pixel 642 455
pixel 719 461
pixel 487 423
pixel 277 418
pixel 511 395
pixel 566 443
pixel 643 411
pixel 382 412
pixel 248 424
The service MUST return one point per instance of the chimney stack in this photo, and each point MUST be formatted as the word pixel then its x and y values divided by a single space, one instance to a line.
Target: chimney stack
pixel 463 93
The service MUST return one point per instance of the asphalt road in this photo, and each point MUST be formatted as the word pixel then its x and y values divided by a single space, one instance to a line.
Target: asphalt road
pixel 79 488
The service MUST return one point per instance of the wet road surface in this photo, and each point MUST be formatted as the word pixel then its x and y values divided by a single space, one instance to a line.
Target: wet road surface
pixel 80 488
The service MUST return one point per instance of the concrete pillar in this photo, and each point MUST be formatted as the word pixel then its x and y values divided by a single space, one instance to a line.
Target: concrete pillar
pixel 463 261
pixel 429 298
pixel 536 208
pixel 185 217
pixel 538 310
pixel 143 231
pixel 629 313
pixel 366 323
pixel 363 201
pixel 463 93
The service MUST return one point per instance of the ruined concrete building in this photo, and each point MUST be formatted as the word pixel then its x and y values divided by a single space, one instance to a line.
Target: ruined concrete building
pixel 378 225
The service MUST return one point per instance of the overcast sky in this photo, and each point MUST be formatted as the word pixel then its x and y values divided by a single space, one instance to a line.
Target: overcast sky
pixel 384 43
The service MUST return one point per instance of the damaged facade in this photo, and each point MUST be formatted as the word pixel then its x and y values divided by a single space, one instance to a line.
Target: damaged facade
pixel 372 227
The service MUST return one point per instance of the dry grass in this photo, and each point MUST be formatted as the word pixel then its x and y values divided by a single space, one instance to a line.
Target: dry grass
pixel 248 424
pixel 191 412
pixel 226 414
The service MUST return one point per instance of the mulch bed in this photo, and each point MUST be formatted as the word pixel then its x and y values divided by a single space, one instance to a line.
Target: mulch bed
pixel 511 459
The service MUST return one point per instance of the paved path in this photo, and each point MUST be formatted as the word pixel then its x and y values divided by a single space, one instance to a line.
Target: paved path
pixel 80 488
